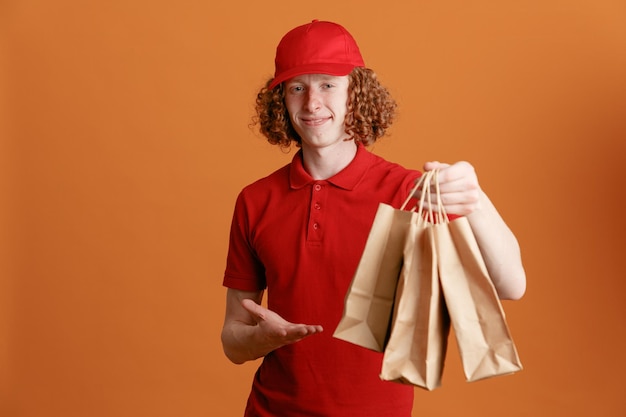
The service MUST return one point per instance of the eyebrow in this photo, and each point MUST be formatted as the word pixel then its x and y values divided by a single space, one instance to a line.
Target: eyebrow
pixel 323 78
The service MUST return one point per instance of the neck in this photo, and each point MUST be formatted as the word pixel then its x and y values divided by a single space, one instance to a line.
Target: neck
pixel 323 163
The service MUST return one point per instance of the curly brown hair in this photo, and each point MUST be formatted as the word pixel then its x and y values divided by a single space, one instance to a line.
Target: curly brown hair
pixel 371 111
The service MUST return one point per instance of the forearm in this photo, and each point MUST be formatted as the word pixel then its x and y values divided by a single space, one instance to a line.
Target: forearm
pixel 241 343
pixel 241 333
pixel 251 331
pixel 500 250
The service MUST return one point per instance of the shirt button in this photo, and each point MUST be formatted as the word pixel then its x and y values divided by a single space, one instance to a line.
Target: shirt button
pixel 316 226
pixel 317 206
pixel 317 187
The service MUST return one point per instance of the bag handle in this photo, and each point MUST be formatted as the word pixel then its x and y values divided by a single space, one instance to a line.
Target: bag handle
pixel 418 183
pixel 442 216
pixel 424 182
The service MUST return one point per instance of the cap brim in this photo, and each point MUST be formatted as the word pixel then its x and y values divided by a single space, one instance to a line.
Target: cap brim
pixel 330 69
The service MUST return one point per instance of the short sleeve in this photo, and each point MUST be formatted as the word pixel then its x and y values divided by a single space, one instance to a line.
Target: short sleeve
pixel 244 271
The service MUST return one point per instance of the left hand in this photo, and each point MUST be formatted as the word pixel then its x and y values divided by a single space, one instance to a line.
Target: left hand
pixel 461 195
pixel 458 187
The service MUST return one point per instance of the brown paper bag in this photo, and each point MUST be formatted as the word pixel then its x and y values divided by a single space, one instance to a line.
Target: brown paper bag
pixel 483 337
pixel 417 344
pixel 369 300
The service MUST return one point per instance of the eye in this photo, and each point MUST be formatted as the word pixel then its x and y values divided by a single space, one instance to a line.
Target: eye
pixel 296 88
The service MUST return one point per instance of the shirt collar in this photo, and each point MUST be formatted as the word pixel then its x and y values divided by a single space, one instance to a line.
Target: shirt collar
pixel 347 178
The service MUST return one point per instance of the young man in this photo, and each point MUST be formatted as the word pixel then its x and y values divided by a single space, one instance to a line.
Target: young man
pixel 299 233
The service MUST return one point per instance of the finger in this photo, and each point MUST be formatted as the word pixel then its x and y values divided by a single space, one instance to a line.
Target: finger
pixel 253 308
pixel 456 209
pixel 312 329
pixel 469 197
pixel 300 331
pixel 429 166
pixel 307 329
pixel 457 171
pixel 458 186
pixel 452 192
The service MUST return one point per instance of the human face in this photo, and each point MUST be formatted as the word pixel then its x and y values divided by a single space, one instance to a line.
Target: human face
pixel 317 106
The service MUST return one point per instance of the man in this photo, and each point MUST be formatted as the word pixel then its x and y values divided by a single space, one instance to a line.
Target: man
pixel 299 233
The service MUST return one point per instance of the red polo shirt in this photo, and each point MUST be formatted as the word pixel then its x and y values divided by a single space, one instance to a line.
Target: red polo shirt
pixel 302 240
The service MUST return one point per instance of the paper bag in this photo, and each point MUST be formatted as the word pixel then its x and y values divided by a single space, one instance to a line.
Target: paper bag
pixel 369 301
pixel 417 345
pixel 483 337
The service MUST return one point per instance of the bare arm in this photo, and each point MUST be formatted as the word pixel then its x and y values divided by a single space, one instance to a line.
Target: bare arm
pixel 500 250
pixel 251 331
pixel 461 195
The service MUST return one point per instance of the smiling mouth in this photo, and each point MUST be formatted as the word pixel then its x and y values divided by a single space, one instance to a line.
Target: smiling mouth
pixel 315 122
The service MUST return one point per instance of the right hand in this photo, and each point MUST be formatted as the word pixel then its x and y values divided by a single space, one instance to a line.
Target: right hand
pixel 274 331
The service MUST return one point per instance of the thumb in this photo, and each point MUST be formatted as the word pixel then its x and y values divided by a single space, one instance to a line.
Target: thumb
pixel 429 166
pixel 254 309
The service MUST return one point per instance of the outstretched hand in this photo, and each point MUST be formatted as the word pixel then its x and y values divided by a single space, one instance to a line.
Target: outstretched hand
pixel 274 330
pixel 458 187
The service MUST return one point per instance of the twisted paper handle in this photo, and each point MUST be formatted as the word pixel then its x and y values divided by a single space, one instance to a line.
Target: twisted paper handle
pixel 426 181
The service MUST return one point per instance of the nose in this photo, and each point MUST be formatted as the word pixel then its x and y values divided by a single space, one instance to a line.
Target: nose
pixel 312 103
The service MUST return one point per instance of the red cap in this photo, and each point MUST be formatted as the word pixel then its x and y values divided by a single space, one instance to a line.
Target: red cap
pixel 316 48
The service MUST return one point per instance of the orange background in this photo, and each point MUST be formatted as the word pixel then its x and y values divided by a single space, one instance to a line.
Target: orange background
pixel 125 140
